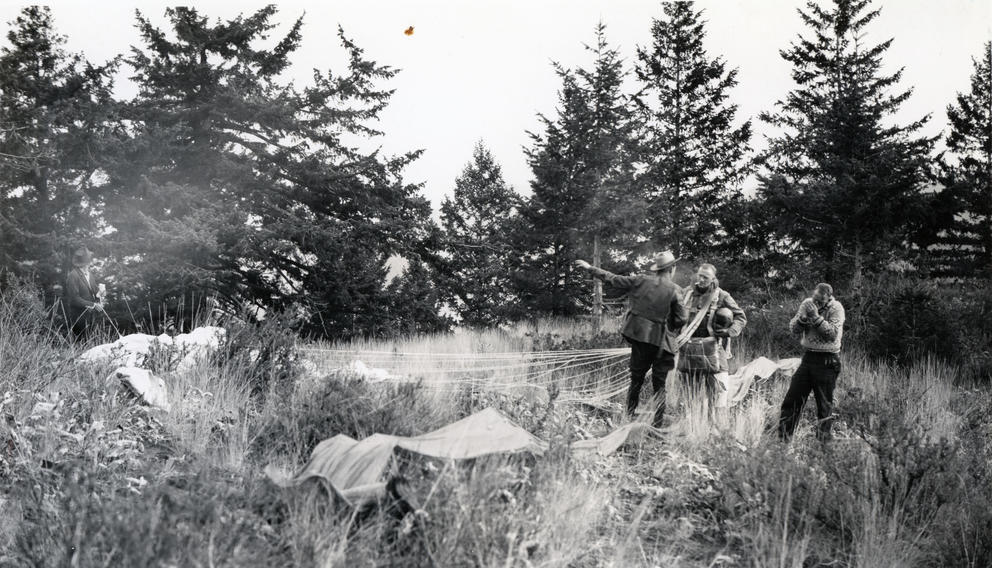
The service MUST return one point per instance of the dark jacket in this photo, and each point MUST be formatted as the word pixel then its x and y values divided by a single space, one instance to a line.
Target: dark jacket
pixel 79 294
pixel 653 302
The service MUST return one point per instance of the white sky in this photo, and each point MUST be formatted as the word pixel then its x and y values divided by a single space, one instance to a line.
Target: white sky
pixel 480 69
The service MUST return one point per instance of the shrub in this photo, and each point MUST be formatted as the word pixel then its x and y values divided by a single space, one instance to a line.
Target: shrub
pixel 30 340
pixel 605 339
pixel 264 350
pixel 906 320
pixel 972 309
pixel 82 515
pixel 767 331
pixel 292 425
pixel 962 532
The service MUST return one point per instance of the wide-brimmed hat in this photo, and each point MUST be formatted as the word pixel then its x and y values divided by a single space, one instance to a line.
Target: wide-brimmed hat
pixel 81 256
pixel 662 260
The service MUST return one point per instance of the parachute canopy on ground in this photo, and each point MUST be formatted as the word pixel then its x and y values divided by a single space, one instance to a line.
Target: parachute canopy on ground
pixel 355 469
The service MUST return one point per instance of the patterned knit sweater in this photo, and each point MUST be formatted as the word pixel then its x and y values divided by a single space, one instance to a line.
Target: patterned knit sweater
pixel 822 333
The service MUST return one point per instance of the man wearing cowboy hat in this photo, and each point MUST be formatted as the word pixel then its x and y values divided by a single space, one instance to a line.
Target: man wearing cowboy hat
pixel 653 304
pixel 81 293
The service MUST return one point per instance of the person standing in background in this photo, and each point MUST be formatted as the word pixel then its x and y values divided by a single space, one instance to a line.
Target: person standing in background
pixel 653 308
pixel 713 317
pixel 81 295
pixel 820 324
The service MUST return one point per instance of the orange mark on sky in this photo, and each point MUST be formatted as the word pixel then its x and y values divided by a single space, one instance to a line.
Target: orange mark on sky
pixel 408 31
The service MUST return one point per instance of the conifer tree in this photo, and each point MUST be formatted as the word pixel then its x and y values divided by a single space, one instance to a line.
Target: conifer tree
pixel 55 112
pixel 583 201
pixel 415 303
pixel 614 217
pixel 238 184
pixel 843 181
pixel 967 242
pixel 476 222
pixel 695 155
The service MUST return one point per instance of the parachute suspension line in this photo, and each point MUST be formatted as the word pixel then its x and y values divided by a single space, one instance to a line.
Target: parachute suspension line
pixel 582 374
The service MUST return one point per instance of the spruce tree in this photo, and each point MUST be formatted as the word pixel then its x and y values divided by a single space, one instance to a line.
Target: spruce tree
pixel 583 201
pixel 55 111
pixel 843 181
pixel 614 218
pixel 695 155
pixel 415 303
pixel 239 184
pixel 967 242
pixel 476 223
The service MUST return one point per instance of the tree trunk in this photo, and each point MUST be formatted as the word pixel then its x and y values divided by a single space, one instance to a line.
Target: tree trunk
pixel 987 252
pixel 988 186
pixel 856 277
pixel 597 286
pixel 828 271
pixel 676 241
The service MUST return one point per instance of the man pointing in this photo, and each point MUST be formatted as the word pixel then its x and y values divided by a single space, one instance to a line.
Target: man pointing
pixel 653 303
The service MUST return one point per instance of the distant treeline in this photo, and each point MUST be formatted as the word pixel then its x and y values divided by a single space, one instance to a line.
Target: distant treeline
pixel 220 179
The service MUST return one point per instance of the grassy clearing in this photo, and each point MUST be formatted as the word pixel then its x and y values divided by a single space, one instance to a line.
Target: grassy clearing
pixel 90 478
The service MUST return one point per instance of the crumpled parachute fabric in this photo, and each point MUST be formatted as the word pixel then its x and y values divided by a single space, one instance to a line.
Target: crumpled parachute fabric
pixel 355 469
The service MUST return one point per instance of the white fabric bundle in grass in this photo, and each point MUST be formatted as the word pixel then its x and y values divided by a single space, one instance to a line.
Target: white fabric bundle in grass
pixel 132 350
pixel 147 387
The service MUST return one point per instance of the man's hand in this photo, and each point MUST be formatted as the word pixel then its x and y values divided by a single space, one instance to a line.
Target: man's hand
pixel 98 307
pixel 808 310
pixel 582 264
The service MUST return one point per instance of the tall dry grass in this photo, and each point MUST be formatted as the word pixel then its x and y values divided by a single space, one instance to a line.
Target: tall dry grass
pixel 92 478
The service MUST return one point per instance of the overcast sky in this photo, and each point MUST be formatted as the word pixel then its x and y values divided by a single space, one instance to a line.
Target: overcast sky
pixel 481 69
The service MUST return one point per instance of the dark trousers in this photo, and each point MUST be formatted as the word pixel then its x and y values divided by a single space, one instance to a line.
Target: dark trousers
pixel 80 324
pixel 817 373
pixel 645 356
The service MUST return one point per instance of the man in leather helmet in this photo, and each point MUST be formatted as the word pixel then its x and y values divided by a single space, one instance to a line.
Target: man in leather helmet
pixel 704 345
pixel 653 305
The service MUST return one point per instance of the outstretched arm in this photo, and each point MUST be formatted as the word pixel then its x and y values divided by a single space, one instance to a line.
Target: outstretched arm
pixel 615 280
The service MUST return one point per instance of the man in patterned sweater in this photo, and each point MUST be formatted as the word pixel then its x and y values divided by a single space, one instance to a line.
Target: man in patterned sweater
pixel 820 325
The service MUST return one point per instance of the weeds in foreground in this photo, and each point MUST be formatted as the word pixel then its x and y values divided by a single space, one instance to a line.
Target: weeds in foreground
pixel 89 477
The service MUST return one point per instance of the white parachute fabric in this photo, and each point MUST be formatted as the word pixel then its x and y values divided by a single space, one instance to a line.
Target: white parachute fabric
pixel 131 353
pixel 737 385
pixel 132 350
pixel 149 388
pixel 632 432
pixel 483 433
pixel 355 469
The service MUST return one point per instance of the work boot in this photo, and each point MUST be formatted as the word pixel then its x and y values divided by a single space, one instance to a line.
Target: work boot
pixel 633 398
